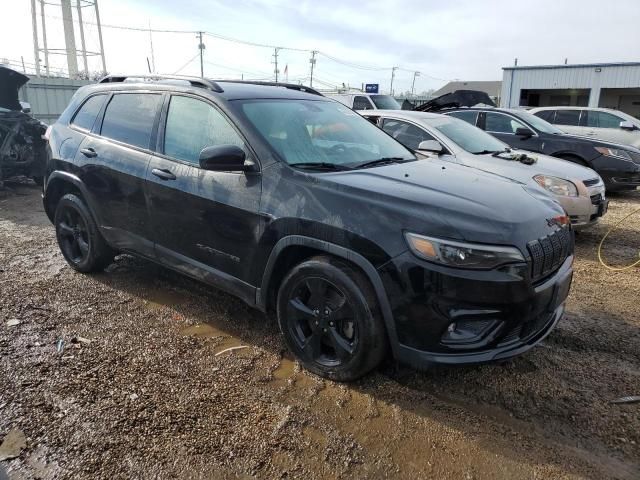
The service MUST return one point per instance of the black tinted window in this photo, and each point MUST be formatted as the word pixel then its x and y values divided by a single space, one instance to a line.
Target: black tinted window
pixel 361 103
pixel 567 117
pixel 193 125
pixel 499 123
pixel 88 112
pixel 469 117
pixel 408 135
pixel 129 118
pixel 546 115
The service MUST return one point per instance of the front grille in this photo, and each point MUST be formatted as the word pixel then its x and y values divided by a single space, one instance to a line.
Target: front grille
pixel 548 253
pixel 596 199
pixel 592 182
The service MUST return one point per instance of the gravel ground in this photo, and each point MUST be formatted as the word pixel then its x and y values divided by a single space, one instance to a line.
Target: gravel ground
pixel 139 387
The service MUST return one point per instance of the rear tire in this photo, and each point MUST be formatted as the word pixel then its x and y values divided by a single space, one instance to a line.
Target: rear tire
pixel 328 314
pixel 80 242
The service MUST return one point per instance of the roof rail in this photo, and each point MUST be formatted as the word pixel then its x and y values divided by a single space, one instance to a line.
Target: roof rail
pixel 193 81
pixel 291 86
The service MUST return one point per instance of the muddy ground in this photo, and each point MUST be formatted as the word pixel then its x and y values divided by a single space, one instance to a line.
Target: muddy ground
pixel 148 396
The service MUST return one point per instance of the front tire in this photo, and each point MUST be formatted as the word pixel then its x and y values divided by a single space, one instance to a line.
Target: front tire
pixel 328 314
pixel 80 242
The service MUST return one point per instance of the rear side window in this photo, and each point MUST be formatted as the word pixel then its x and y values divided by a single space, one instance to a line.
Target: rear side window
pixel 129 118
pixel 469 117
pixel 546 115
pixel 602 120
pixel 193 125
pixel 568 117
pixel 86 116
pixel 361 103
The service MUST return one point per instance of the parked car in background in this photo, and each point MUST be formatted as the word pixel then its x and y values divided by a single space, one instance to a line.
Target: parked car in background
pixel 22 148
pixel 618 165
pixel 366 101
pixel 601 123
pixel 298 205
pixel 578 189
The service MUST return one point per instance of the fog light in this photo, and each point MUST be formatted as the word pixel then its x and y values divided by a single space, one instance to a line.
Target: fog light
pixel 470 333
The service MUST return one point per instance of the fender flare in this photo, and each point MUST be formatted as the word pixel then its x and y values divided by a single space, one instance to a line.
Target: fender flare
pixel 338 251
pixel 58 176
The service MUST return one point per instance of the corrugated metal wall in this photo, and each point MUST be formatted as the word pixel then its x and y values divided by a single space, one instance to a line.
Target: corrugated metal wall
pixel 49 96
pixel 567 77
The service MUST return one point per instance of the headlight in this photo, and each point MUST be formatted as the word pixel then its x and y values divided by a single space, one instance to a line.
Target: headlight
pixel 557 186
pixel 461 254
pixel 614 152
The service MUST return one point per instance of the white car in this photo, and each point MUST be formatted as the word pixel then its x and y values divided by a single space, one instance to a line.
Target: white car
pixel 580 190
pixel 601 123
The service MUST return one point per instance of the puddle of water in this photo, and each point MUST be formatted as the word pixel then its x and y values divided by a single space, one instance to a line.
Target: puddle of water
pixel 206 330
pixel 156 299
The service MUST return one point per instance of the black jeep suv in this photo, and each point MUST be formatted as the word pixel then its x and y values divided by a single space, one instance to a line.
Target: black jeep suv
pixel 298 205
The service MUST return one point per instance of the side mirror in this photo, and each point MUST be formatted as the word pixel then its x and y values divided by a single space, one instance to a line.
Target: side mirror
pixel 627 125
pixel 431 146
pixel 523 132
pixel 224 158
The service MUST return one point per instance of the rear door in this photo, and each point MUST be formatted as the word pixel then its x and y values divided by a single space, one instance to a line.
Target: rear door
pixel 113 160
pixel 205 223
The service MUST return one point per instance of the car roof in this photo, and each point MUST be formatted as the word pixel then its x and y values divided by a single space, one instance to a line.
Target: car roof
pixel 406 114
pixel 592 109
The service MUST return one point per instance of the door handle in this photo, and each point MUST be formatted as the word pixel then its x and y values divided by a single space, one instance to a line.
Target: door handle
pixel 163 174
pixel 89 152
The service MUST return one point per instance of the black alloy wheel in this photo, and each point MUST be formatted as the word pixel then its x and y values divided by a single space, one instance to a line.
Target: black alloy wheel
pixel 322 322
pixel 329 317
pixel 80 242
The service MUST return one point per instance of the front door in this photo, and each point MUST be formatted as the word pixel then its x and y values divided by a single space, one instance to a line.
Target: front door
pixel 205 223
pixel 504 127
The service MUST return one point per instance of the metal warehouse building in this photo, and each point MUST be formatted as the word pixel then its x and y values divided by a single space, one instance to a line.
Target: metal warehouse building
pixel 609 85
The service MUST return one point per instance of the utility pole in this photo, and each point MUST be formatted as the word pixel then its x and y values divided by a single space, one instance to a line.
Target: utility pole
pixel 82 44
pixel 69 38
pixel 44 38
pixel 201 47
pixel 153 57
pixel 104 63
pixel 393 74
pixel 312 61
pixel 413 84
pixel 275 57
pixel 36 47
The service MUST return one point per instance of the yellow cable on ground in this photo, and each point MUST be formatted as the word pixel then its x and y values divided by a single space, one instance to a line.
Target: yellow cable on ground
pixel 617 269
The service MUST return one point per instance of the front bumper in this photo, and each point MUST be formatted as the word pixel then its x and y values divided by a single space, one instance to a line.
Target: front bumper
pixel 585 210
pixel 451 316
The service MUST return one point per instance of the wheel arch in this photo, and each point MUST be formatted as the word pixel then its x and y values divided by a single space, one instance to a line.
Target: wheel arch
pixel 293 249
pixel 58 185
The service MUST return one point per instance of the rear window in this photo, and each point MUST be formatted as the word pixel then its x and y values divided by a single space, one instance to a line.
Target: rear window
pixel 129 118
pixel 546 115
pixel 567 117
pixel 361 103
pixel 86 116
pixel 602 120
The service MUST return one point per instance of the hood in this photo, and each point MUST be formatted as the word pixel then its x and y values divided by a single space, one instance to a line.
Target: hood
pixel 453 201
pixel 544 164
pixel 598 142
pixel 10 83
pixel 457 99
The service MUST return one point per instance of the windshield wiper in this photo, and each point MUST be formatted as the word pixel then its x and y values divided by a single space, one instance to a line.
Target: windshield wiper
pixel 320 166
pixel 500 152
pixel 383 161
pixel 485 152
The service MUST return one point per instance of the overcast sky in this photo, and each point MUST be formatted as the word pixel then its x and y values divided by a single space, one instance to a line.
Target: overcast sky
pixel 443 39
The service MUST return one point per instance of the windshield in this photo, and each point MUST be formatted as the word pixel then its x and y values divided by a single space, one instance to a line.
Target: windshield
pixel 537 122
pixel 385 102
pixel 466 136
pixel 322 133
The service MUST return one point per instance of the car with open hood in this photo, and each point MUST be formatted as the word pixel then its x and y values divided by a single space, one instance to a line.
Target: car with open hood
pixel 297 205
pixel 618 165
pixel 22 147
pixel 578 189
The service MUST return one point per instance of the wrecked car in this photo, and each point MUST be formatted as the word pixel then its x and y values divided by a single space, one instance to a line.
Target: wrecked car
pixel 22 147
pixel 578 189
pixel 297 205
pixel 618 165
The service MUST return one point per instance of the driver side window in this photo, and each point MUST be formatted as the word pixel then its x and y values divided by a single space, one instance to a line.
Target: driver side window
pixel 407 134
pixel 193 125
pixel 499 123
